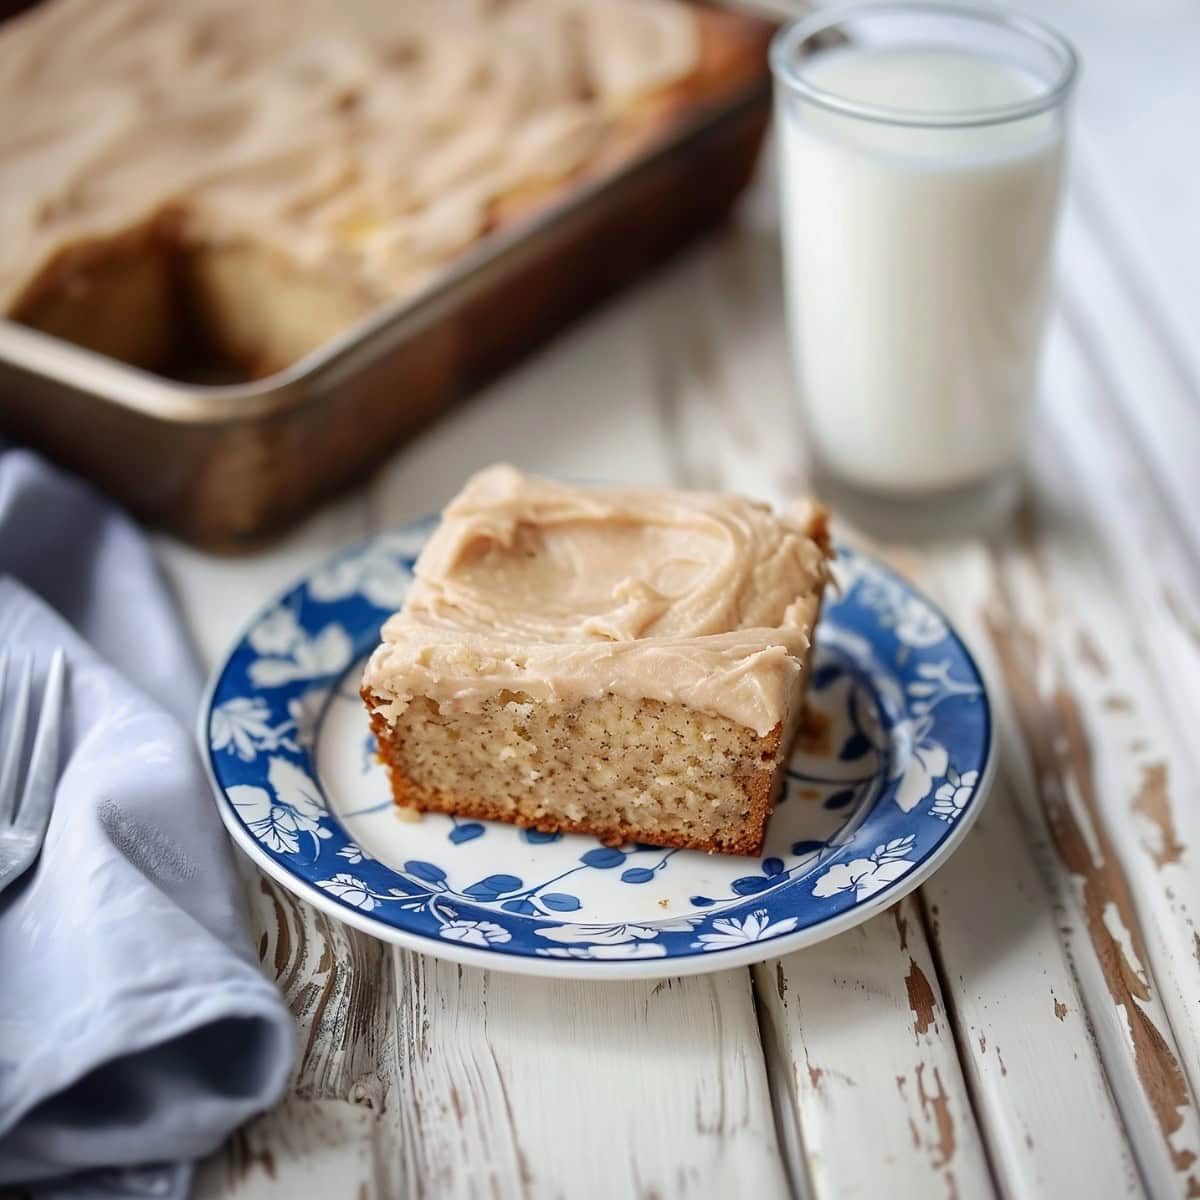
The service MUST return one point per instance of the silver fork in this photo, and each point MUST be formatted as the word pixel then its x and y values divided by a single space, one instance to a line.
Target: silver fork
pixel 23 825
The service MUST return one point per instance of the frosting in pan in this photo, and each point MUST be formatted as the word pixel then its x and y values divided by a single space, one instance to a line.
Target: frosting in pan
pixel 567 594
pixel 374 138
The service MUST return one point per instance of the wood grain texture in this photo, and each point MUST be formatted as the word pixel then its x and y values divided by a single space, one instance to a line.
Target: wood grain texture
pixel 1128 333
pixel 520 1086
pixel 1134 585
pixel 1102 933
pixel 1145 758
pixel 1105 933
pixel 1027 1042
pixel 867 1044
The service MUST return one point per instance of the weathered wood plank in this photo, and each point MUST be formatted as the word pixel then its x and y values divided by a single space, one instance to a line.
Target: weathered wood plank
pixel 1145 754
pixel 442 1080
pixel 1142 515
pixel 1056 788
pixel 513 1085
pixel 719 347
pixel 303 1148
pixel 580 409
pixel 871 1067
pixel 1026 1040
pixel 1116 312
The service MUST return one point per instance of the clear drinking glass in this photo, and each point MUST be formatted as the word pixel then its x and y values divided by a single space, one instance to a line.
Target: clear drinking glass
pixel 921 150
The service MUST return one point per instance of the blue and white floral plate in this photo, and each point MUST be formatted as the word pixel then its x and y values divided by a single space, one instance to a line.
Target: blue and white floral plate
pixel 873 802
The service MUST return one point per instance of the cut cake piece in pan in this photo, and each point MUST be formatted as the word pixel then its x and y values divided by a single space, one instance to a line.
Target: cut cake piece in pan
pixel 260 177
pixel 623 662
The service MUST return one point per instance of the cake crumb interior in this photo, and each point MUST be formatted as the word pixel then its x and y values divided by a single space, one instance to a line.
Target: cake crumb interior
pixel 626 770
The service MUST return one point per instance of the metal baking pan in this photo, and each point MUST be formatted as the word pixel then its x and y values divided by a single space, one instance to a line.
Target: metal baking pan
pixel 226 466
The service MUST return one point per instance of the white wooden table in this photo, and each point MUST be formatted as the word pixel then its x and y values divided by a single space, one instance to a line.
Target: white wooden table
pixel 1028 1024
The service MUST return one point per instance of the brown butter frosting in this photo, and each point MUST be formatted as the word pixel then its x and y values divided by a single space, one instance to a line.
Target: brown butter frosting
pixel 567 594
pixel 367 137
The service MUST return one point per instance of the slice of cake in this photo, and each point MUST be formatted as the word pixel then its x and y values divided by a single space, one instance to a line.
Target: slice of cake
pixel 622 662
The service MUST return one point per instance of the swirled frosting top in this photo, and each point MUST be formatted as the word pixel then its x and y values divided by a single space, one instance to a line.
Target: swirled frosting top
pixel 566 594
pixel 373 136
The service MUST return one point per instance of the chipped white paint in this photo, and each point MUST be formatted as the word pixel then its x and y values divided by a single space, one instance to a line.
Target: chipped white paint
pixel 564 1085
pixel 1119 932
pixel 1140 1058
pixel 1028 1047
pixel 1026 1041
pixel 867 1045
pixel 1136 683
pixel 304 1148
pixel 1079 811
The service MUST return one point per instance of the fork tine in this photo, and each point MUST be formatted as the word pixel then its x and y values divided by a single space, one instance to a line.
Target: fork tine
pixel 38 797
pixel 10 772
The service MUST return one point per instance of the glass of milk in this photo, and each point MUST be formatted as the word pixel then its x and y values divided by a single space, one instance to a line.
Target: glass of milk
pixel 921 151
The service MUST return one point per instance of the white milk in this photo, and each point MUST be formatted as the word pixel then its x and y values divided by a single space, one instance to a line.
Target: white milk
pixel 917 262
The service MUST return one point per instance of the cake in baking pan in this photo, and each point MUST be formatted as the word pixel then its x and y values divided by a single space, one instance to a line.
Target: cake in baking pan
pixel 623 662
pixel 263 175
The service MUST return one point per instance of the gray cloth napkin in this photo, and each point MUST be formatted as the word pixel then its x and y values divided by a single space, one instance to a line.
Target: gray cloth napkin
pixel 135 1026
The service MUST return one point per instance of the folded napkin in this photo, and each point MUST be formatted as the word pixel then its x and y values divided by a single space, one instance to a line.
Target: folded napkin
pixel 135 1026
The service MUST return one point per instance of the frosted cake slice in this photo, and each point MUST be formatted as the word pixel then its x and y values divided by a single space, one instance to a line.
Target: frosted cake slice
pixel 623 662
